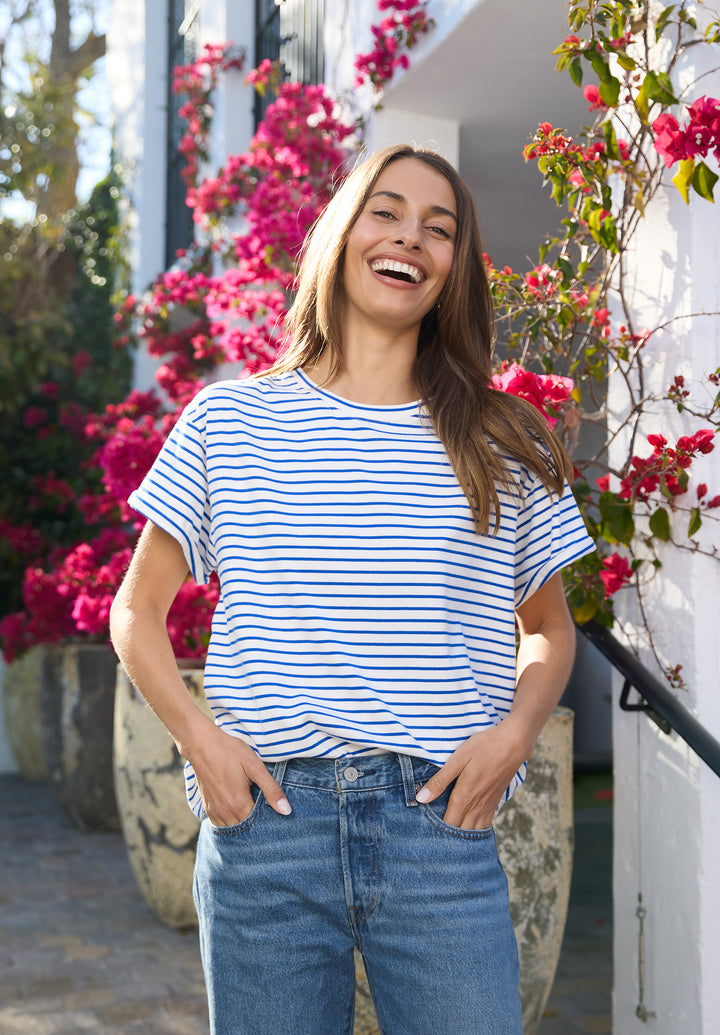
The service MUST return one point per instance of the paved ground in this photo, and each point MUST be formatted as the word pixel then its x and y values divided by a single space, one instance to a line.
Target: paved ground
pixel 81 951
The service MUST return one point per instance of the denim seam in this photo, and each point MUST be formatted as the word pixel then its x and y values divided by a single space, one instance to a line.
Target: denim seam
pixel 463 835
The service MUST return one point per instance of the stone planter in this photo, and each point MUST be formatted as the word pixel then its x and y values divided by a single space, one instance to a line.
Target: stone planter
pixel 535 842
pixel 159 829
pixel 76 707
pixel 21 706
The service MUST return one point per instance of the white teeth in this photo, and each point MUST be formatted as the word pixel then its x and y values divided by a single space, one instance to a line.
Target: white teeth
pixel 391 266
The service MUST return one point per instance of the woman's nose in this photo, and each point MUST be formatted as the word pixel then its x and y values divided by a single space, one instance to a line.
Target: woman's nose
pixel 409 235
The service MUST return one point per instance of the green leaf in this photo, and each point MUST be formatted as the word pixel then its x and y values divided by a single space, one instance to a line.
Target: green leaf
pixel 660 524
pixel 600 67
pixel 618 525
pixel 567 269
pixel 664 92
pixel 695 522
pixel 626 62
pixel 662 22
pixel 610 91
pixel 684 177
pixel 576 71
pixel 703 181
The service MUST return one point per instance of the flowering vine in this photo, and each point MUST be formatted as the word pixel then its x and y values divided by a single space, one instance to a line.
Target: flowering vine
pixel 399 31
pixel 558 314
pixel 224 299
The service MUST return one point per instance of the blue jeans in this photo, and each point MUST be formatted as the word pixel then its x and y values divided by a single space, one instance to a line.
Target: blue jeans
pixel 283 901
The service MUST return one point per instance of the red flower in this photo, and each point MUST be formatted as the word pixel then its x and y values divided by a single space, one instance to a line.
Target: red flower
pixel 544 391
pixel 603 483
pixel 592 96
pixel 616 572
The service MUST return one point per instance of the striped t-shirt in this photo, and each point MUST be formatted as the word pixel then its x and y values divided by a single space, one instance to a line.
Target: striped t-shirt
pixel 358 609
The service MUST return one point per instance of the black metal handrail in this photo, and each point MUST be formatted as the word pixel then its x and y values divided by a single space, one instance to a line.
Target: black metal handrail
pixel 658 703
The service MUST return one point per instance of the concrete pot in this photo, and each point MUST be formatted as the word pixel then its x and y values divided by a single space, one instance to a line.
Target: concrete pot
pixel 76 708
pixel 535 841
pixel 22 682
pixel 159 829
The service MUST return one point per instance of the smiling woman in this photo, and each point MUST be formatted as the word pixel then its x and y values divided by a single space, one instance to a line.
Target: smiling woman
pixel 380 518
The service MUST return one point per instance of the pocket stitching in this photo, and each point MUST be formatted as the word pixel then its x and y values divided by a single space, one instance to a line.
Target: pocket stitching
pixel 467 835
pixel 244 824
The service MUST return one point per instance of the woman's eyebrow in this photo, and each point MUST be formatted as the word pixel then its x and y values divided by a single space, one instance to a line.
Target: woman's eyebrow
pixel 399 197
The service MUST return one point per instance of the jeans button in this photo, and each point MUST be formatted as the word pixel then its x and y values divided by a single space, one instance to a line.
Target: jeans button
pixel 351 774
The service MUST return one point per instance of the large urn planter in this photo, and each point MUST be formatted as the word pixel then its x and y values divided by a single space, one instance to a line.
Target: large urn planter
pixel 76 708
pixel 535 836
pixel 22 682
pixel 159 829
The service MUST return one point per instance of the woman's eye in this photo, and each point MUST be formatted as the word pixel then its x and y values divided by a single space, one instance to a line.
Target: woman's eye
pixel 440 230
pixel 384 213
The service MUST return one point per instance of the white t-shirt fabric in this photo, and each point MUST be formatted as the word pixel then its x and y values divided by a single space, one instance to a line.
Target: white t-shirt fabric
pixel 359 610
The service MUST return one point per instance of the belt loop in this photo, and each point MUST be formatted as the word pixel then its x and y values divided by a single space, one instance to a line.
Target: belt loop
pixel 408 778
pixel 279 771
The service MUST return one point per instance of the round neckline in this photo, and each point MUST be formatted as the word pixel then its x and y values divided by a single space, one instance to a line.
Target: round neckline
pixel 400 408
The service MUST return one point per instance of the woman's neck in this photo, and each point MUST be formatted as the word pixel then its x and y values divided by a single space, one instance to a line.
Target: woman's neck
pixel 376 370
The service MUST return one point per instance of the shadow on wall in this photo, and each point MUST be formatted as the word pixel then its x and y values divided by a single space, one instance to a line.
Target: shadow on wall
pixel 589 694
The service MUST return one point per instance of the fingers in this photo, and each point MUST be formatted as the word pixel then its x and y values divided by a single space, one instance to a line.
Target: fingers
pixel 225 777
pixel 272 790
pixel 439 781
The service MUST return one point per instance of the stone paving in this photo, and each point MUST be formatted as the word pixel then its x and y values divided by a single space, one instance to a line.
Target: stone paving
pixel 81 951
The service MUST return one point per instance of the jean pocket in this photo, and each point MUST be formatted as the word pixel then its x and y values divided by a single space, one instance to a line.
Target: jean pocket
pixel 244 824
pixel 435 810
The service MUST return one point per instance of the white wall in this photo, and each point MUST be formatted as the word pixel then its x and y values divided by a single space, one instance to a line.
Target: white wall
pixel 667 834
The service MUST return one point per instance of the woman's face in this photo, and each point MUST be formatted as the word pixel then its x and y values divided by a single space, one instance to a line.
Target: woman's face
pixel 400 250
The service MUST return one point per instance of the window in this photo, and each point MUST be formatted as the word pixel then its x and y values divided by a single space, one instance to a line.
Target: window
pixel 182 49
pixel 291 32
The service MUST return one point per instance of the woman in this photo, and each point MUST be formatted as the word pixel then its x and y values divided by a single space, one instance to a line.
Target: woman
pixel 379 518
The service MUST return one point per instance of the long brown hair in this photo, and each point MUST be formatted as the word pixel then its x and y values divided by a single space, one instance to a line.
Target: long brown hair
pixel 476 424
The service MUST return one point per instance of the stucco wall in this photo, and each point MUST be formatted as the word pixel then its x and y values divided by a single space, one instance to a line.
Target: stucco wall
pixel 667 835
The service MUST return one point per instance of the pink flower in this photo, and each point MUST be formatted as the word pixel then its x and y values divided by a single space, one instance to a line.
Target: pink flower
pixel 603 483
pixel 34 416
pixel 592 96
pixel 544 391
pixel 80 362
pixel 669 139
pixel 616 572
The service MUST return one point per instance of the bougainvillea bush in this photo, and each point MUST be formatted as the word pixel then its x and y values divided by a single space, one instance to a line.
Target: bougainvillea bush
pixel 224 299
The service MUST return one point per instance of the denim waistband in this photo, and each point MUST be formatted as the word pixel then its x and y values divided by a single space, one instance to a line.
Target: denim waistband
pixel 356 773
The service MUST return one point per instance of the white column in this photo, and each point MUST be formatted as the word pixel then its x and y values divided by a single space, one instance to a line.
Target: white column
pixel 233 122
pixel 137 77
pixel 667 830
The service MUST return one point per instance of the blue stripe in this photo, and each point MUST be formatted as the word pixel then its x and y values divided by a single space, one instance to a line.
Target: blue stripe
pixel 358 606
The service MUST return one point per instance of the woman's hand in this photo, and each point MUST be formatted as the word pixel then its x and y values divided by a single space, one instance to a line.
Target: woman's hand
pixel 226 768
pixel 486 762
pixel 483 766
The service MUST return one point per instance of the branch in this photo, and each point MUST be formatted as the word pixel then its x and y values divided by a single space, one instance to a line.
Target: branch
pixel 67 64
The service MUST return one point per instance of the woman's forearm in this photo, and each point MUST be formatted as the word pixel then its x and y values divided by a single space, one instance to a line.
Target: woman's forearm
pixel 143 646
